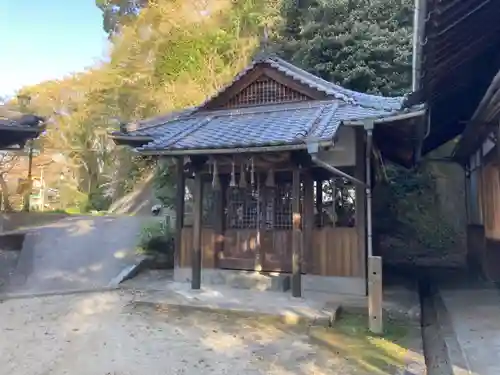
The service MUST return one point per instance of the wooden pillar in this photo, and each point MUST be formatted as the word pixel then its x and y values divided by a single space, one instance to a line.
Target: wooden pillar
pixel 297 235
pixel 308 225
pixel 220 219
pixel 179 210
pixel 197 216
pixel 319 201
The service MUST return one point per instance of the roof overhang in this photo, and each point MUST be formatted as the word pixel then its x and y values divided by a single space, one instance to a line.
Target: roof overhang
pixel 129 140
pixel 233 150
pixel 460 54
pixel 391 118
pixel 17 135
pixel 398 137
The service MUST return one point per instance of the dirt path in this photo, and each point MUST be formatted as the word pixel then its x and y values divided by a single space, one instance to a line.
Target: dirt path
pixel 103 334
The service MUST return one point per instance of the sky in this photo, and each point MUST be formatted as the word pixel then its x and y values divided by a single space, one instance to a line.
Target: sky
pixel 47 39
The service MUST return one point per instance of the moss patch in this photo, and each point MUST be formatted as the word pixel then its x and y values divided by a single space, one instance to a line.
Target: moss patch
pixel 373 354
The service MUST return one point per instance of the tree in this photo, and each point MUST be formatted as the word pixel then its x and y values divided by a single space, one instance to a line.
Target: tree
pixel 8 160
pixel 118 12
pixel 363 45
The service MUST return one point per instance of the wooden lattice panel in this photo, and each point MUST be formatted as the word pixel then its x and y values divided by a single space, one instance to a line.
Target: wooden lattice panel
pixel 265 91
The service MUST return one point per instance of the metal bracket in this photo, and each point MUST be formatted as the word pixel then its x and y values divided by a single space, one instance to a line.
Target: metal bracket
pixel 369 124
pixel 312 146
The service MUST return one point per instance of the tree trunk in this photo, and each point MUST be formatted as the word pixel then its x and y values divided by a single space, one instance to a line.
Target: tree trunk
pixel 5 195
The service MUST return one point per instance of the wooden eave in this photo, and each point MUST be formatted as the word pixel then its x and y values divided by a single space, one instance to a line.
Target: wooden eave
pixel 11 135
pixel 483 123
pixel 121 139
pixel 460 57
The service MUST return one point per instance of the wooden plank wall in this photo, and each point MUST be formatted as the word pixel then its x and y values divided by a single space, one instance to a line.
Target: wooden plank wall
pixel 491 195
pixel 335 251
pixel 207 247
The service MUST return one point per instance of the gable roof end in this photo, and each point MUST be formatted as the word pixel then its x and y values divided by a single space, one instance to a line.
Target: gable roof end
pixel 333 91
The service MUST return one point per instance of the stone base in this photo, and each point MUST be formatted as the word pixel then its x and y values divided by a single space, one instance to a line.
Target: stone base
pixel 274 281
pixel 237 279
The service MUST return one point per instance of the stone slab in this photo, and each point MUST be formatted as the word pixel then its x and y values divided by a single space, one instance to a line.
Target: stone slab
pixel 275 305
pixel 473 334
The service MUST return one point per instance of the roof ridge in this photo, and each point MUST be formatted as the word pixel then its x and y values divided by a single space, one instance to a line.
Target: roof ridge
pixel 310 124
pixel 332 110
pixel 194 128
pixel 170 117
pixel 346 94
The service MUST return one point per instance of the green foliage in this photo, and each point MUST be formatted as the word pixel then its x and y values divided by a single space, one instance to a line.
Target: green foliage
pixel 119 12
pixel 407 215
pixel 156 238
pixel 361 45
pixel 98 200
pixel 164 185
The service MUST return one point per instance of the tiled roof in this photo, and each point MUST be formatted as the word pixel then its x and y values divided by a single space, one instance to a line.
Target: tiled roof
pixel 269 125
pixel 145 127
pixel 266 125
pixel 317 83
pixel 14 119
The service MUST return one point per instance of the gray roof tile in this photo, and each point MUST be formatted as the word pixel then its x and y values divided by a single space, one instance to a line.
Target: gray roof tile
pixel 257 126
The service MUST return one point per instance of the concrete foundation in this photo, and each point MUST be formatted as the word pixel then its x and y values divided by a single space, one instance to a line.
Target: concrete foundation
pixel 273 281
pixel 237 279
pixel 334 284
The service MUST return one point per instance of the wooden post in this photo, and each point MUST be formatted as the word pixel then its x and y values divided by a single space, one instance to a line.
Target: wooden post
pixel 307 248
pixel 296 239
pixel 197 215
pixel 179 210
pixel 375 295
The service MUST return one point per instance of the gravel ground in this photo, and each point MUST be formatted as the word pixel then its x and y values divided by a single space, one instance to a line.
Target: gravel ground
pixel 105 334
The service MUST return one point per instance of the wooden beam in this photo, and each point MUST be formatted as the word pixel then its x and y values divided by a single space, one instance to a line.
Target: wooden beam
pixel 497 137
pixel 197 216
pixel 297 236
pixel 179 209
pixel 456 19
pixel 308 206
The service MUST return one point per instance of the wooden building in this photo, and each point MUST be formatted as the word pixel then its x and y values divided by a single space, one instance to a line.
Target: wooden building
pixel 478 151
pixel 281 185
pixel 456 57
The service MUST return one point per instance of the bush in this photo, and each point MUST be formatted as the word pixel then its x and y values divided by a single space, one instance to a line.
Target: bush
pixel 156 240
pixel 408 220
